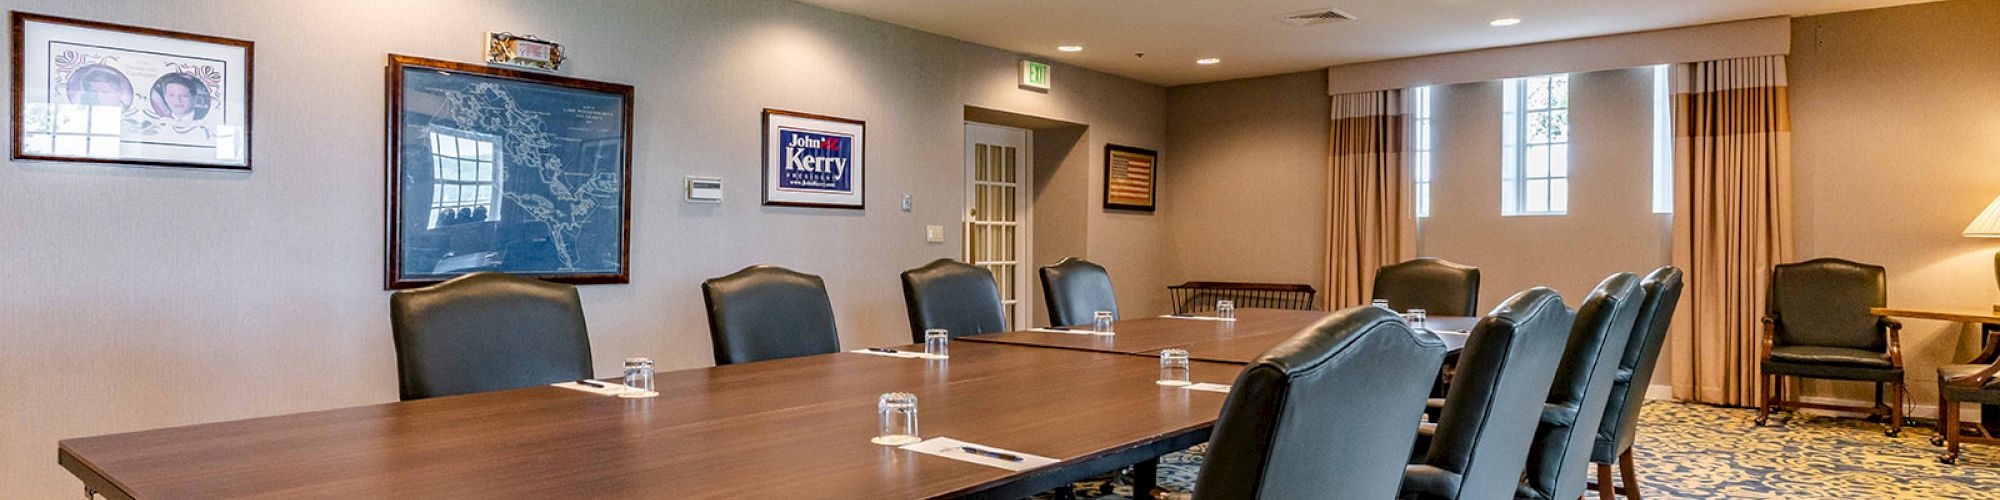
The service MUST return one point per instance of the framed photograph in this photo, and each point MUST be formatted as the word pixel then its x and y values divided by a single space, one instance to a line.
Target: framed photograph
pixel 1128 177
pixel 493 169
pixel 813 160
pixel 93 92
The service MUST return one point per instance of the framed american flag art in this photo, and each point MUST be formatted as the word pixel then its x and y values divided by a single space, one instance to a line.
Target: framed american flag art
pixel 1130 176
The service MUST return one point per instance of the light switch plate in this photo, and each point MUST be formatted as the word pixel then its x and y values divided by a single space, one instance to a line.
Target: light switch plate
pixel 934 234
pixel 908 203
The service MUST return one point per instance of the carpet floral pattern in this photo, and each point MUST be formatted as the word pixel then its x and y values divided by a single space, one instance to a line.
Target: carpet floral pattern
pixel 1698 451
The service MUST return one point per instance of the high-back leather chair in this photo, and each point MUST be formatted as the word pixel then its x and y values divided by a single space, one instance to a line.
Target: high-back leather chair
pixel 487 331
pixel 1635 374
pixel 768 312
pixel 960 298
pixel 1076 289
pixel 1439 287
pixel 1819 326
pixel 1480 443
pixel 1559 463
pixel 1314 416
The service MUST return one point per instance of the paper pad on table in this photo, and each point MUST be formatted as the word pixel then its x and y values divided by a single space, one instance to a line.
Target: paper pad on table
pixel 1205 386
pixel 1072 331
pixel 897 354
pixel 609 389
pixel 954 449
pixel 1199 318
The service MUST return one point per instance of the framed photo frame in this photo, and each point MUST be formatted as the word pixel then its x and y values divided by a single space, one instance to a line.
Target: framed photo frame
pixel 1130 177
pixel 494 169
pixel 93 92
pixel 814 160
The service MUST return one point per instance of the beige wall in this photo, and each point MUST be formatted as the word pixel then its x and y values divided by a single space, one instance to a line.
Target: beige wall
pixel 1896 146
pixel 1249 179
pixel 144 298
pixel 1610 226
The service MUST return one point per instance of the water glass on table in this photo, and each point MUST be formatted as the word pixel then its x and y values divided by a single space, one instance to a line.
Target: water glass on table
pixel 1383 303
pixel 898 414
pixel 1174 368
pixel 1417 318
pixel 1225 309
pixel 1101 322
pixel 639 377
pixel 937 342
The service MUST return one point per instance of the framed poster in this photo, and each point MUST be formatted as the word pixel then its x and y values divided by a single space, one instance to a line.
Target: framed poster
pixel 93 92
pixel 813 160
pixel 493 169
pixel 1128 177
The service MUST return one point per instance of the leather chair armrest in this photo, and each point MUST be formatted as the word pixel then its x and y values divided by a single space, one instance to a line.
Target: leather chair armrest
pixel 1895 331
pixel 1770 336
pixel 1992 352
pixel 1977 379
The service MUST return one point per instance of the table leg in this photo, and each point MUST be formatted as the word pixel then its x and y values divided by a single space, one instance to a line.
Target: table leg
pixel 1989 414
pixel 89 494
pixel 1145 476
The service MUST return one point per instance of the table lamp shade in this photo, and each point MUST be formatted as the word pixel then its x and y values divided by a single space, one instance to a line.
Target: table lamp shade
pixel 1988 223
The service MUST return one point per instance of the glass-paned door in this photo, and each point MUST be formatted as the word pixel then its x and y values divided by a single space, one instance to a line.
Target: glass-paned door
pixel 996 234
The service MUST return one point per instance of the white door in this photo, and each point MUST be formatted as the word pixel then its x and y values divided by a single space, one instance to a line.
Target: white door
pixel 997 169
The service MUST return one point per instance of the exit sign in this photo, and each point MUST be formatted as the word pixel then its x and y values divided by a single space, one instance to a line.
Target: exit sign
pixel 1034 75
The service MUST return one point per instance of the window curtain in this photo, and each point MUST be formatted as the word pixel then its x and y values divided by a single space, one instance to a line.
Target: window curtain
pixel 1370 220
pixel 1732 151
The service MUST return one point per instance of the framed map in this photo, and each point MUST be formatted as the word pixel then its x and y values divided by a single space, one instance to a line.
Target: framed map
pixel 494 169
pixel 1129 177
pixel 93 92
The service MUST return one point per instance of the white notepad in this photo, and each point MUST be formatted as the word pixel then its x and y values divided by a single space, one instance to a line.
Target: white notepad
pixel 1072 331
pixel 609 389
pixel 898 354
pixel 1199 318
pixel 955 450
pixel 1205 386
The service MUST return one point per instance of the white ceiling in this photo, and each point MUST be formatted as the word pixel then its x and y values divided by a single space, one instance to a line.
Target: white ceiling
pixel 1250 40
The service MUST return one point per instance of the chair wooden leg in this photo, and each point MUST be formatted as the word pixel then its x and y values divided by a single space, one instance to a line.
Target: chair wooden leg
pixel 1950 417
pixel 1630 474
pixel 1763 400
pixel 1895 410
pixel 1605 490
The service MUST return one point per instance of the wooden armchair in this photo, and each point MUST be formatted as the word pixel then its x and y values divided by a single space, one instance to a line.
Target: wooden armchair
pixel 1819 326
pixel 1968 383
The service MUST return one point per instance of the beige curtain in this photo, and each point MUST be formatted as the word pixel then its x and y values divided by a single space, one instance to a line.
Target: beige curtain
pixel 1370 221
pixel 1733 161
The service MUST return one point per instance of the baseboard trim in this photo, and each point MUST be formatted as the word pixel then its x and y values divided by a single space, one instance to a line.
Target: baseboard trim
pixel 1663 392
pixel 1659 392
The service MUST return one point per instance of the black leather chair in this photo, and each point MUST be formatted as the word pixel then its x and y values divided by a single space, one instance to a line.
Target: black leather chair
pixel 1313 416
pixel 1819 326
pixel 768 312
pixel 1559 463
pixel 958 297
pixel 1076 289
pixel 487 331
pixel 1479 445
pixel 1439 287
pixel 1973 382
pixel 1634 376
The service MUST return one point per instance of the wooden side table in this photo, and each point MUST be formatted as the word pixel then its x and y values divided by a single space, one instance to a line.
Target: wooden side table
pixel 1989 322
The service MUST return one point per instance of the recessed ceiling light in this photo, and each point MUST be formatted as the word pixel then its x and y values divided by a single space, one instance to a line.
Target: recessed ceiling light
pixel 1207 60
pixel 1070 48
pixel 1505 21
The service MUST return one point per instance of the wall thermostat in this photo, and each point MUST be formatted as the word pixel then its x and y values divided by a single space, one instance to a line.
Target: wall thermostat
pixel 704 189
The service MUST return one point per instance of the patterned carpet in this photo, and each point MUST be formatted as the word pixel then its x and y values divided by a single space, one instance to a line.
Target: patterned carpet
pixel 1698 451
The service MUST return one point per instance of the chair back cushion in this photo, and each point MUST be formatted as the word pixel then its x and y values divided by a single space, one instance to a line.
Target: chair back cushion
pixel 1076 289
pixel 1824 302
pixel 1560 459
pixel 1635 371
pixel 767 312
pixel 958 297
pixel 1495 399
pixel 487 331
pixel 1439 287
pixel 1325 414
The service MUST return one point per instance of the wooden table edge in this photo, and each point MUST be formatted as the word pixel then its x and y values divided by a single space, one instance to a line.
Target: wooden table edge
pixel 1961 316
pixel 1029 482
pixel 93 480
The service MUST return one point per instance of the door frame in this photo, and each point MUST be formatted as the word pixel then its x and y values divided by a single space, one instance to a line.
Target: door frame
pixel 1024 234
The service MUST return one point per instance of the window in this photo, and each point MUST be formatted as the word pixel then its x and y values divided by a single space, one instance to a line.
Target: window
pixel 1534 174
pixel 466 185
pixel 1663 143
pixel 1420 161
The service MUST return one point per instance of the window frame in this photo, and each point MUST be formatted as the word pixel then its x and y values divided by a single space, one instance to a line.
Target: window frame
pixel 1519 146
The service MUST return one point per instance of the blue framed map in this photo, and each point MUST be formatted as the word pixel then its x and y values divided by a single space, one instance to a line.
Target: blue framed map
pixel 501 170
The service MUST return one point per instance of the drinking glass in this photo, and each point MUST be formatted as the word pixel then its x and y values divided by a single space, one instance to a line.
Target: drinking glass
pixel 1417 318
pixel 639 377
pixel 1225 309
pixel 898 411
pixel 937 342
pixel 1383 303
pixel 1101 323
pixel 1174 368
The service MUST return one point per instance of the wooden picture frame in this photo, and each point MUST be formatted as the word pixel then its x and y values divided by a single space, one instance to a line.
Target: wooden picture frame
pixel 829 177
pixel 488 110
pixel 95 92
pixel 1131 178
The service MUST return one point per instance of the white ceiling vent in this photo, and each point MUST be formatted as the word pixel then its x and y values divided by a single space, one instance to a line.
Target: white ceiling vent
pixel 1316 16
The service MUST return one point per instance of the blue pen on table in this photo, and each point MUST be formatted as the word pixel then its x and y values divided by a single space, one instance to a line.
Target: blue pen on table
pixel 1063 328
pixel 992 454
pixel 592 383
pixel 884 350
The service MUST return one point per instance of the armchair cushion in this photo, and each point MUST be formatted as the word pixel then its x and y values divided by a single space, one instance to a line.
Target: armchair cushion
pixel 1835 372
pixel 1988 392
pixel 1821 355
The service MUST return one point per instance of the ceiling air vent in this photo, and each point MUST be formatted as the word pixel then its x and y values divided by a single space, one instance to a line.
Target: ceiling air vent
pixel 1316 16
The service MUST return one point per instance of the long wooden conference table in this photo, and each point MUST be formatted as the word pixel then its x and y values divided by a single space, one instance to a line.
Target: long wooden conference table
pixel 795 428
